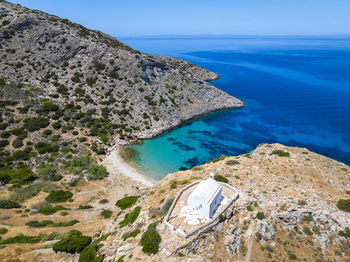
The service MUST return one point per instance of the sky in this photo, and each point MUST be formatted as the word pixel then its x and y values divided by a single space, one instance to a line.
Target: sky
pixel 203 17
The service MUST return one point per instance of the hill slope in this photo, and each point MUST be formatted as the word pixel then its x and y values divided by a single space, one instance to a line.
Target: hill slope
pixel 143 95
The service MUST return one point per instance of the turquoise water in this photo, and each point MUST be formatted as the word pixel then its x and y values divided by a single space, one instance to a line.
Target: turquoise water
pixel 296 90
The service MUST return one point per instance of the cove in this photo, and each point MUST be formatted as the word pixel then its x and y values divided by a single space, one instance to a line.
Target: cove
pixel 296 90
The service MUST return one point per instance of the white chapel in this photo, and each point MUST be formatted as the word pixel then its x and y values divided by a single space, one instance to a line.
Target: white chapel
pixel 206 197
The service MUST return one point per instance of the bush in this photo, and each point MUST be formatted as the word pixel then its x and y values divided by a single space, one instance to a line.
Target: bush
pixel 4 143
pixel 345 233
pixel 17 143
pixel 89 252
pixel 5 134
pixel 127 202
pixel 132 234
pixel 280 153
pixel 59 196
pixel 260 215
pixel 173 184
pixel 23 193
pixel 344 205
pixel 72 243
pixel 221 178
pixel 291 255
pixel 81 207
pixel 47 132
pixel 22 176
pixel 56 125
pixel 106 213
pixel 166 206
pixel 44 148
pixel 50 223
pixel 150 240
pixel 48 172
pixel 22 239
pixel 8 204
pixel 232 162
pixel 35 123
pixel 51 210
pixel 130 217
pixel 3 230
pixel 96 172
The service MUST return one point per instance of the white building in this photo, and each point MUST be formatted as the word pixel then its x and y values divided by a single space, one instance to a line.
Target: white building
pixel 206 197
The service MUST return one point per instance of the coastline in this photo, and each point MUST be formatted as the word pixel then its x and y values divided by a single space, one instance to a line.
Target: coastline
pixel 116 165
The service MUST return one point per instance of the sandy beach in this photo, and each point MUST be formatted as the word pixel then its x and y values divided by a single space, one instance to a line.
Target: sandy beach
pixel 117 166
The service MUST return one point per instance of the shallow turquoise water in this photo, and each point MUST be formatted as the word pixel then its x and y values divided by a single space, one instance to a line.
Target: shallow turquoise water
pixel 296 90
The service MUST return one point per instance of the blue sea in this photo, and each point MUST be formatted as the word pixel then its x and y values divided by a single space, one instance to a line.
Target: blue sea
pixel 296 91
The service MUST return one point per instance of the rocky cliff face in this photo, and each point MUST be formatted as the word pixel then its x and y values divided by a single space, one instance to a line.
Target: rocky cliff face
pixel 143 95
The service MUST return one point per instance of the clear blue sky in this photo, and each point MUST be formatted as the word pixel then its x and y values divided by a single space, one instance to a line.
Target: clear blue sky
pixel 201 17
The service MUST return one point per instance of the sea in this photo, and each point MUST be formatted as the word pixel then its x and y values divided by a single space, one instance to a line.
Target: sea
pixel 296 92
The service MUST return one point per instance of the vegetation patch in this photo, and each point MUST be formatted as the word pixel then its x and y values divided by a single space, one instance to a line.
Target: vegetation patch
pixel 345 233
pixel 150 240
pixel 89 253
pixel 106 213
pixel 50 223
pixel 232 162
pixel 81 207
pixel 22 239
pixel 132 234
pixel 51 210
pixel 221 178
pixel 280 153
pixel 344 205
pixel 3 230
pixel 59 196
pixel 74 242
pixel 166 206
pixel 260 215
pixel 8 204
pixel 127 202
pixel 130 217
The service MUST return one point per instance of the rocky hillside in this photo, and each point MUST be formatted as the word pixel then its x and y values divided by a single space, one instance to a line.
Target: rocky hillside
pixel 289 208
pixel 142 95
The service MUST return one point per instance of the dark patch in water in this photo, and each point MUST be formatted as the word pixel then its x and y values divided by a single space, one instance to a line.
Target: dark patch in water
pixel 204 132
pixel 193 162
pixel 171 139
pixel 182 168
pixel 183 147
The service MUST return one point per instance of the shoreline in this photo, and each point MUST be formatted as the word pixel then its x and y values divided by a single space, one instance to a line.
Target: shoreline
pixel 116 165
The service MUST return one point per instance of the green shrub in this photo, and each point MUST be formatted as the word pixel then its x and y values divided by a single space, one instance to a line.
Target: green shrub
pixel 26 192
pixel 345 233
pixel 81 207
pixel 22 239
pixel 59 196
pixel 5 134
pixel 121 259
pixel 166 206
pixel 232 162
pixel 17 143
pixel 44 148
pixel 127 202
pixel 260 215
pixel 280 153
pixel 56 125
pixel 221 178
pixel 130 217
pixel 3 230
pixel 50 223
pixel 8 204
pixel 150 240
pixel 307 231
pixel 132 234
pixel 291 255
pixel 35 123
pixel 47 132
pixel 96 172
pixel 173 184
pixel 22 176
pixel 72 243
pixel 51 210
pixel 106 213
pixel 4 143
pixel 344 205
pixel 48 173
pixel 89 252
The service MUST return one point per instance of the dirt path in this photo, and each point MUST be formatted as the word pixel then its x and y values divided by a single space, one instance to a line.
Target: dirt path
pixel 250 239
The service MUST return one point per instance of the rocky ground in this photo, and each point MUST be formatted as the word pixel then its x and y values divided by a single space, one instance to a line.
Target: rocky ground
pixel 286 211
